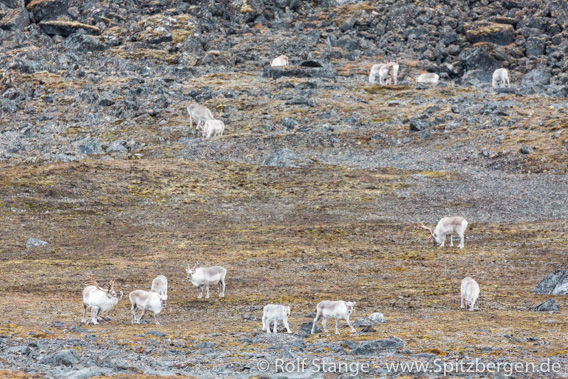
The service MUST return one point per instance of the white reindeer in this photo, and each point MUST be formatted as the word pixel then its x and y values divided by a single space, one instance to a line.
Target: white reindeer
pixel 280 61
pixel 375 69
pixel 428 78
pixel 205 276
pixel 213 128
pixel 200 113
pixel 500 77
pixel 469 293
pixel 388 71
pixel 99 299
pixel 275 312
pixel 160 286
pixel 448 225
pixel 146 301
pixel 333 309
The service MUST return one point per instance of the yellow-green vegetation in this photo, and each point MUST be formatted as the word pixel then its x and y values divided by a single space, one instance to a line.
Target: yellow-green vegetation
pixel 293 236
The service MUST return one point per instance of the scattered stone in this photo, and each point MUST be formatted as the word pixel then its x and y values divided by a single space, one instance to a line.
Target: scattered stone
pixel 526 149
pixel 306 328
pixel 155 333
pixel 547 306
pixel 286 158
pixel 555 283
pixel 483 31
pixel 15 19
pixel 62 358
pixel 377 318
pixel 116 147
pixel 379 347
pixel 34 242
pixel 66 28
pixel 418 124
pixel 289 123
pixel 206 345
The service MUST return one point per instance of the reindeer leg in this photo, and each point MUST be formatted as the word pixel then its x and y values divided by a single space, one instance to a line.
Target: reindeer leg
pixel 156 319
pixel 142 315
pixel 264 323
pixel 336 323
pixel 94 312
pixel 275 329
pixel 451 240
pixel 207 288
pixel 318 315
pixel 222 285
pixel 324 324
pixel 133 311
pixel 349 324
pixel 286 325
pixel 461 306
pixel 462 237
pixel 200 292
pixel 84 320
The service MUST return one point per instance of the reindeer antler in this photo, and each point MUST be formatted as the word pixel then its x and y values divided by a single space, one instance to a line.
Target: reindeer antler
pixel 92 282
pixel 428 229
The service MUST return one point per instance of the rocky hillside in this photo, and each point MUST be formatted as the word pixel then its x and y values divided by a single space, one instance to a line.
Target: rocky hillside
pixel 314 192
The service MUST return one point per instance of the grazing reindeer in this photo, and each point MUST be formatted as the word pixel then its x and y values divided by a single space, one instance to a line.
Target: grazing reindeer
pixel 213 128
pixel 99 299
pixel 448 225
pixel 428 78
pixel 205 276
pixel 275 312
pixel 375 69
pixel 469 293
pixel 200 113
pixel 388 70
pixel 333 309
pixel 160 286
pixel 147 301
pixel 501 77
pixel 280 61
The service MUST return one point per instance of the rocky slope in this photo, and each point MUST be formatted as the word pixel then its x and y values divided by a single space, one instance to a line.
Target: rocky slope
pixel 319 174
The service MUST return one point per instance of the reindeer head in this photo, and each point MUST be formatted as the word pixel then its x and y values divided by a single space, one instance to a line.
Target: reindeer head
pixel 350 306
pixel 190 271
pixel 436 240
pixel 111 291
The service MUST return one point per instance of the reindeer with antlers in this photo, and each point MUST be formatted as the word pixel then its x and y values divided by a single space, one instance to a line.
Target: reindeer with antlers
pixel 99 299
pixel 448 225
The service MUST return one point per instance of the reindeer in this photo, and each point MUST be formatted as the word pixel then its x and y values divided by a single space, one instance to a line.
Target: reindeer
pixel 213 128
pixel 388 70
pixel 501 77
pixel 469 293
pixel 205 276
pixel 428 78
pixel 275 312
pixel 160 286
pixel 333 309
pixel 98 299
pixel 280 61
pixel 147 301
pixel 448 225
pixel 200 113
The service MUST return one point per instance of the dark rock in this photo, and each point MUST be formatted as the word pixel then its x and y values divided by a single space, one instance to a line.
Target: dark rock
pixel 555 283
pixel 476 77
pixel 363 322
pixel 547 306
pixel 47 9
pixel 61 358
pixel 377 347
pixel 13 4
pixel 16 19
pixel 535 46
pixel 105 99
pixel 155 333
pixel 66 28
pixel 289 123
pixel 116 147
pixel 286 158
pixel 90 148
pixel 83 43
pixel 536 77
pixel 480 57
pixel 57 324
pixel 299 72
pixel 78 329
pixel 306 328
pixel 526 150
pixel 336 3
pixel 499 34
pixel 34 242
pixel 418 124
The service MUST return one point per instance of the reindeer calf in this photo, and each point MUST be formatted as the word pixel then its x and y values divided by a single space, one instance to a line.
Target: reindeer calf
pixel 469 294
pixel 146 301
pixel 275 312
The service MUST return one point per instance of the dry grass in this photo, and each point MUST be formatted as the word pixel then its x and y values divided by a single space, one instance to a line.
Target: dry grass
pixel 285 235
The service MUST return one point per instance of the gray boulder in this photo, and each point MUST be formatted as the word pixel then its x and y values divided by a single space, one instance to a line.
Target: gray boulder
pixel 16 19
pixel 555 283
pixel 378 318
pixel 34 242
pixel 61 358
pixel 547 306
pixel 286 158
pixel 378 347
